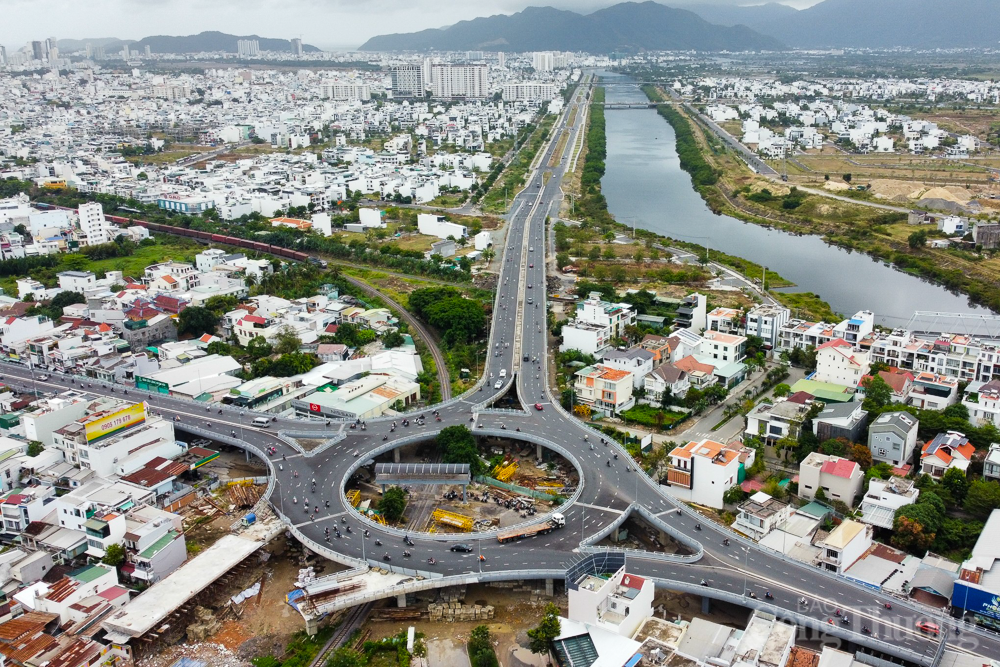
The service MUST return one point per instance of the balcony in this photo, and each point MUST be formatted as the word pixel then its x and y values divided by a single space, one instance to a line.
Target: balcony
pixel 679 477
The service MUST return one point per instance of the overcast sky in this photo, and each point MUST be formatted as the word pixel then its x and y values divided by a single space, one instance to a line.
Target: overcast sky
pixel 324 23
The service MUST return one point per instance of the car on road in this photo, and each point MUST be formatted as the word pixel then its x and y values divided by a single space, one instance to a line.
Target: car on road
pixel 43 378
pixel 498 384
pixel 929 628
pixel 531 248
pixel 529 285
pixel 538 406
pixel 464 548
pixel 531 266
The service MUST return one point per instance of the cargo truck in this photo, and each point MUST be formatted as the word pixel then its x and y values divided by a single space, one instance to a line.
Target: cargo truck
pixel 514 534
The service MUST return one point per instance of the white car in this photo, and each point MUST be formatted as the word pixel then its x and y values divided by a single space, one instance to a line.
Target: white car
pixel 498 384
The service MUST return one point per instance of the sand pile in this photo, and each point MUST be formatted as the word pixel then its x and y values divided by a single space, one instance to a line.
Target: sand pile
pixel 836 186
pixel 886 188
pixel 952 193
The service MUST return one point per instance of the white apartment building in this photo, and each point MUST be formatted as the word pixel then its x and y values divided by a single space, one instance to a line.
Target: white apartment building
pixel 436 225
pixel 606 390
pixel 619 603
pixel 721 348
pixel 801 334
pixel 543 61
pixel 765 321
pixel 408 80
pixel 637 361
pixel 337 90
pixel 93 224
pixel 470 81
pixel 596 323
pixel 116 438
pixel 838 362
pixel 52 414
pixel 529 91
pixel 701 472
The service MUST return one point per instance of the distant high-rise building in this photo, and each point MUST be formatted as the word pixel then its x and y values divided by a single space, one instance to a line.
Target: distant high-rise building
pixel 473 56
pixel 126 54
pixel 502 59
pixel 99 53
pixel 297 46
pixel 248 48
pixel 38 50
pixel 543 61
pixel 3 54
pixel 408 81
pixel 448 81
pixel 88 50
pixel 148 51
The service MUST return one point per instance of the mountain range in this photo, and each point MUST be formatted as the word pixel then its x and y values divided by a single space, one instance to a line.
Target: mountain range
pixel 629 26
pixel 868 23
pixel 649 26
pixel 202 42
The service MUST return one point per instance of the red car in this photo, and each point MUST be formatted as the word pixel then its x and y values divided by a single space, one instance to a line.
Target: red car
pixel 538 406
pixel 531 266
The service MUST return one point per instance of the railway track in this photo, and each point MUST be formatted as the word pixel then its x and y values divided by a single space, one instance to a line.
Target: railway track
pixel 352 621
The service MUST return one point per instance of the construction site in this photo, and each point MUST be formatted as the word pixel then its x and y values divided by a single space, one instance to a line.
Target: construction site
pixel 517 485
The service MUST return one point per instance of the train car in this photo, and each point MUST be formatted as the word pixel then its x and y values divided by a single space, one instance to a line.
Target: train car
pixel 221 238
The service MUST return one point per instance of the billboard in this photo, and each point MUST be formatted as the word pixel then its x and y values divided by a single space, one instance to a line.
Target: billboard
pixel 975 599
pixel 116 421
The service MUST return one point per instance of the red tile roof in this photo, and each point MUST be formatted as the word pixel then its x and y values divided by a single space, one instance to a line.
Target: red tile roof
pixel 839 468
pixel 632 581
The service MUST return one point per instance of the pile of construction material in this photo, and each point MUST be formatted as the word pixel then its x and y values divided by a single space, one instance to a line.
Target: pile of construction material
pixel 452 612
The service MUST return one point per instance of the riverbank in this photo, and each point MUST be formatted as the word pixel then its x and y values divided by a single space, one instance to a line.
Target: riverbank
pixel 880 234
pixel 597 240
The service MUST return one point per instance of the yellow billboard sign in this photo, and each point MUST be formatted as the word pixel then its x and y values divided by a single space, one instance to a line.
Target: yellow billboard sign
pixel 116 421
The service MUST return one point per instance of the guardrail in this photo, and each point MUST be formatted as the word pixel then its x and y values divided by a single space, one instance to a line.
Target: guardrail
pixel 587 545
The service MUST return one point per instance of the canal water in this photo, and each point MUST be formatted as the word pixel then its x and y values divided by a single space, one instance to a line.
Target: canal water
pixel 646 188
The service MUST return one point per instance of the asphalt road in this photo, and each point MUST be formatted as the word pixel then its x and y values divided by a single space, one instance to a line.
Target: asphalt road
pixel 608 485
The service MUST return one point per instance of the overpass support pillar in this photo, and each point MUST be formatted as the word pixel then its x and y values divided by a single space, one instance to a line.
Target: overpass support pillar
pixel 706 605
pixel 538 452
pixel 395 455
pixel 463 493
pixel 550 587
pixel 312 626
pixel 401 600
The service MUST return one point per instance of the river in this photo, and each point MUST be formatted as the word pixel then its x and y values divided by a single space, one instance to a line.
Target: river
pixel 646 188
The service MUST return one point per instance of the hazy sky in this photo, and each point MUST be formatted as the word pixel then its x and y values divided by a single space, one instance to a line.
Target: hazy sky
pixel 324 23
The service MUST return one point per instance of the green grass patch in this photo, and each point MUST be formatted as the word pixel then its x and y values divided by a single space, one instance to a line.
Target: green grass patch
pixel 653 417
pixel 807 305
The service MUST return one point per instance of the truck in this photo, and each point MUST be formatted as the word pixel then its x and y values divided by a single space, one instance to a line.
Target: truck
pixel 556 521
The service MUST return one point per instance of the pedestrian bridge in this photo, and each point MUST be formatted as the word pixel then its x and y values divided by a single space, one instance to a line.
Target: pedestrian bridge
pixel 632 105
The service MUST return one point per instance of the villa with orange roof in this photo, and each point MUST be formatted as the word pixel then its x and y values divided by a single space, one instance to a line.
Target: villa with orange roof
pixel 701 472
pixel 946 451
pixel 606 390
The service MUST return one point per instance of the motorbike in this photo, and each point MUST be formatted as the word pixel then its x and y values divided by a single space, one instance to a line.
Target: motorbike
pixel 768 596
pixel 697 526
pixel 704 583
pixel 386 556
pixel 431 561
pixel 888 606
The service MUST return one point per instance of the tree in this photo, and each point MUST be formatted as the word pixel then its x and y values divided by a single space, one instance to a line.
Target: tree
pixel 847 178
pixel 878 393
pixel 834 447
pixel 221 304
pixel 782 390
pixel 734 495
pixel 196 320
pixel 114 555
pixel 286 341
pixel 594 254
pixel 911 535
pixel 982 498
pixel 820 495
pixel 917 239
pixel 458 445
pixel 546 631
pixel 346 657
pixel 393 339
pixel 861 455
pixel 219 347
pixel 957 485
pixel 480 647
pixel 392 503
pixel 35 448
pixel 258 348
pixel 609 253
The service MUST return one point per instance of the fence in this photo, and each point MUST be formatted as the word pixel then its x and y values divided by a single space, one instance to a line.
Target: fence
pixel 524 491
